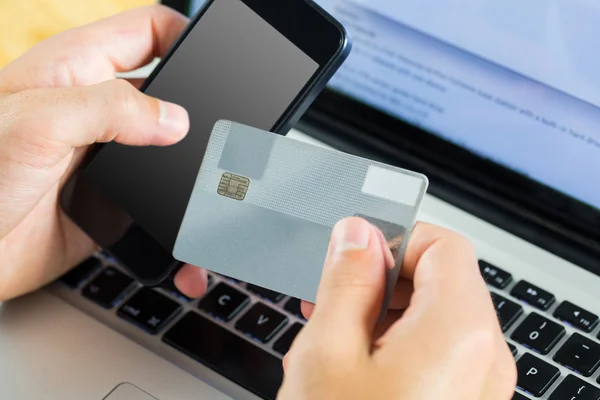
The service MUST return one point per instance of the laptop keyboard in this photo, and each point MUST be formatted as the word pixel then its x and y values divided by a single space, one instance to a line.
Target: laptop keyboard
pixel 246 330
pixel 556 355
pixel 239 330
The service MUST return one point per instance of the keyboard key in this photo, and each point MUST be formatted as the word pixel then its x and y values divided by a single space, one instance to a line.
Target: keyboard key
pixel 293 306
pixel 519 396
pixel 493 275
pixel 576 316
pixel 579 354
pixel 108 287
pixel 538 333
pixel 149 310
pixel 573 388
pixel 224 302
pixel 266 294
pixel 508 311
pixel 77 276
pixel 513 348
pixel 534 375
pixel 228 354
pixel 261 322
pixel 533 295
pixel 283 344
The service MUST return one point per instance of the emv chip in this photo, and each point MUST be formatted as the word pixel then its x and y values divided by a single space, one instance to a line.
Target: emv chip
pixel 233 186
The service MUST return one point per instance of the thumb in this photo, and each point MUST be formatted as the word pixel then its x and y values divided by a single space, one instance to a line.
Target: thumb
pixel 352 283
pixel 112 110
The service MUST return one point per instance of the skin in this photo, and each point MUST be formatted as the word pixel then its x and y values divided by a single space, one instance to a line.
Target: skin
pixel 449 330
pixel 55 101
pixel 62 96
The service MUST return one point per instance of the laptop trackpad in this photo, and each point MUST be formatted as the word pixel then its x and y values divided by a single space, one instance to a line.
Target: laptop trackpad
pixel 126 391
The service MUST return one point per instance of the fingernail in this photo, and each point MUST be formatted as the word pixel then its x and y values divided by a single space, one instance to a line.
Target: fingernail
pixel 204 277
pixel 173 119
pixel 388 256
pixel 351 234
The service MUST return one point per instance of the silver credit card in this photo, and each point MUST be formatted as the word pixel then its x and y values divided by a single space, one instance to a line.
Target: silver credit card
pixel 263 207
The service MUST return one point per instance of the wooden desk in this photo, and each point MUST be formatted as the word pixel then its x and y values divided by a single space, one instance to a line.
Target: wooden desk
pixel 25 22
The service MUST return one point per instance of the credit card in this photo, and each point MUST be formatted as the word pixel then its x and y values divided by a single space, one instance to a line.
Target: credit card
pixel 264 205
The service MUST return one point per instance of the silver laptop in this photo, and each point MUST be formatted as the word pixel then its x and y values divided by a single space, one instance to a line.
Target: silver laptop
pixel 496 101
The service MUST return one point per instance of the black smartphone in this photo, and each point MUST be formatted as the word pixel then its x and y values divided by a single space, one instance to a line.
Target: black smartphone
pixel 256 62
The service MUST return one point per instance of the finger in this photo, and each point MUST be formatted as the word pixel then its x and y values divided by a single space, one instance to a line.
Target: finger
pixel 191 281
pixel 440 262
pixel 387 252
pixel 307 309
pixel 351 289
pixel 428 242
pixel 446 279
pixel 400 299
pixel 94 53
pixel 112 110
pixel 285 361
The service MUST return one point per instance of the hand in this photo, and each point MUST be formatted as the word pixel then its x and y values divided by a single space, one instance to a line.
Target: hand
pixel 446 345
pixel 55 101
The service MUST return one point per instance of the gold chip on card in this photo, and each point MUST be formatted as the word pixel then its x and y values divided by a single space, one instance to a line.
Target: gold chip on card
pixel 233 186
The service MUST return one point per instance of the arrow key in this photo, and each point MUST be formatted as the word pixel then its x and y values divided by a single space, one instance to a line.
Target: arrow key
pixel 576 316
pixel 261 323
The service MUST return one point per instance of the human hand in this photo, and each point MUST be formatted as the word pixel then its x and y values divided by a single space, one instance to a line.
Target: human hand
pixel 446 345
pixel 55 101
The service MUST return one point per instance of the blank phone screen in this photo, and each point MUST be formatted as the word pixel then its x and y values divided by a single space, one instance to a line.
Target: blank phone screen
pixel 232 65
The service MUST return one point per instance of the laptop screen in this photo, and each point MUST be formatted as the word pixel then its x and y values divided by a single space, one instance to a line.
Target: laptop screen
pixel 521 89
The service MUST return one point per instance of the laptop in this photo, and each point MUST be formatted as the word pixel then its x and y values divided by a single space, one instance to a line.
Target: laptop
pixel 495 101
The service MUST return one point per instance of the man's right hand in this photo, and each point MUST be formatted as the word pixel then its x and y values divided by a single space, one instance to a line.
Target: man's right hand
pixel 446 345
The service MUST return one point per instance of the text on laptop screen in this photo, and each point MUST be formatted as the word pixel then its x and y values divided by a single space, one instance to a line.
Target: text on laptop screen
pixel 521 88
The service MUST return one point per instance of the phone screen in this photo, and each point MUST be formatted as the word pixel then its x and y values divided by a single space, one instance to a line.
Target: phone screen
pixel 232 64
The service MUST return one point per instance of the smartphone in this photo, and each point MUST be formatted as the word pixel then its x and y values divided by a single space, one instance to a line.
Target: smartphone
pixel 259 63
